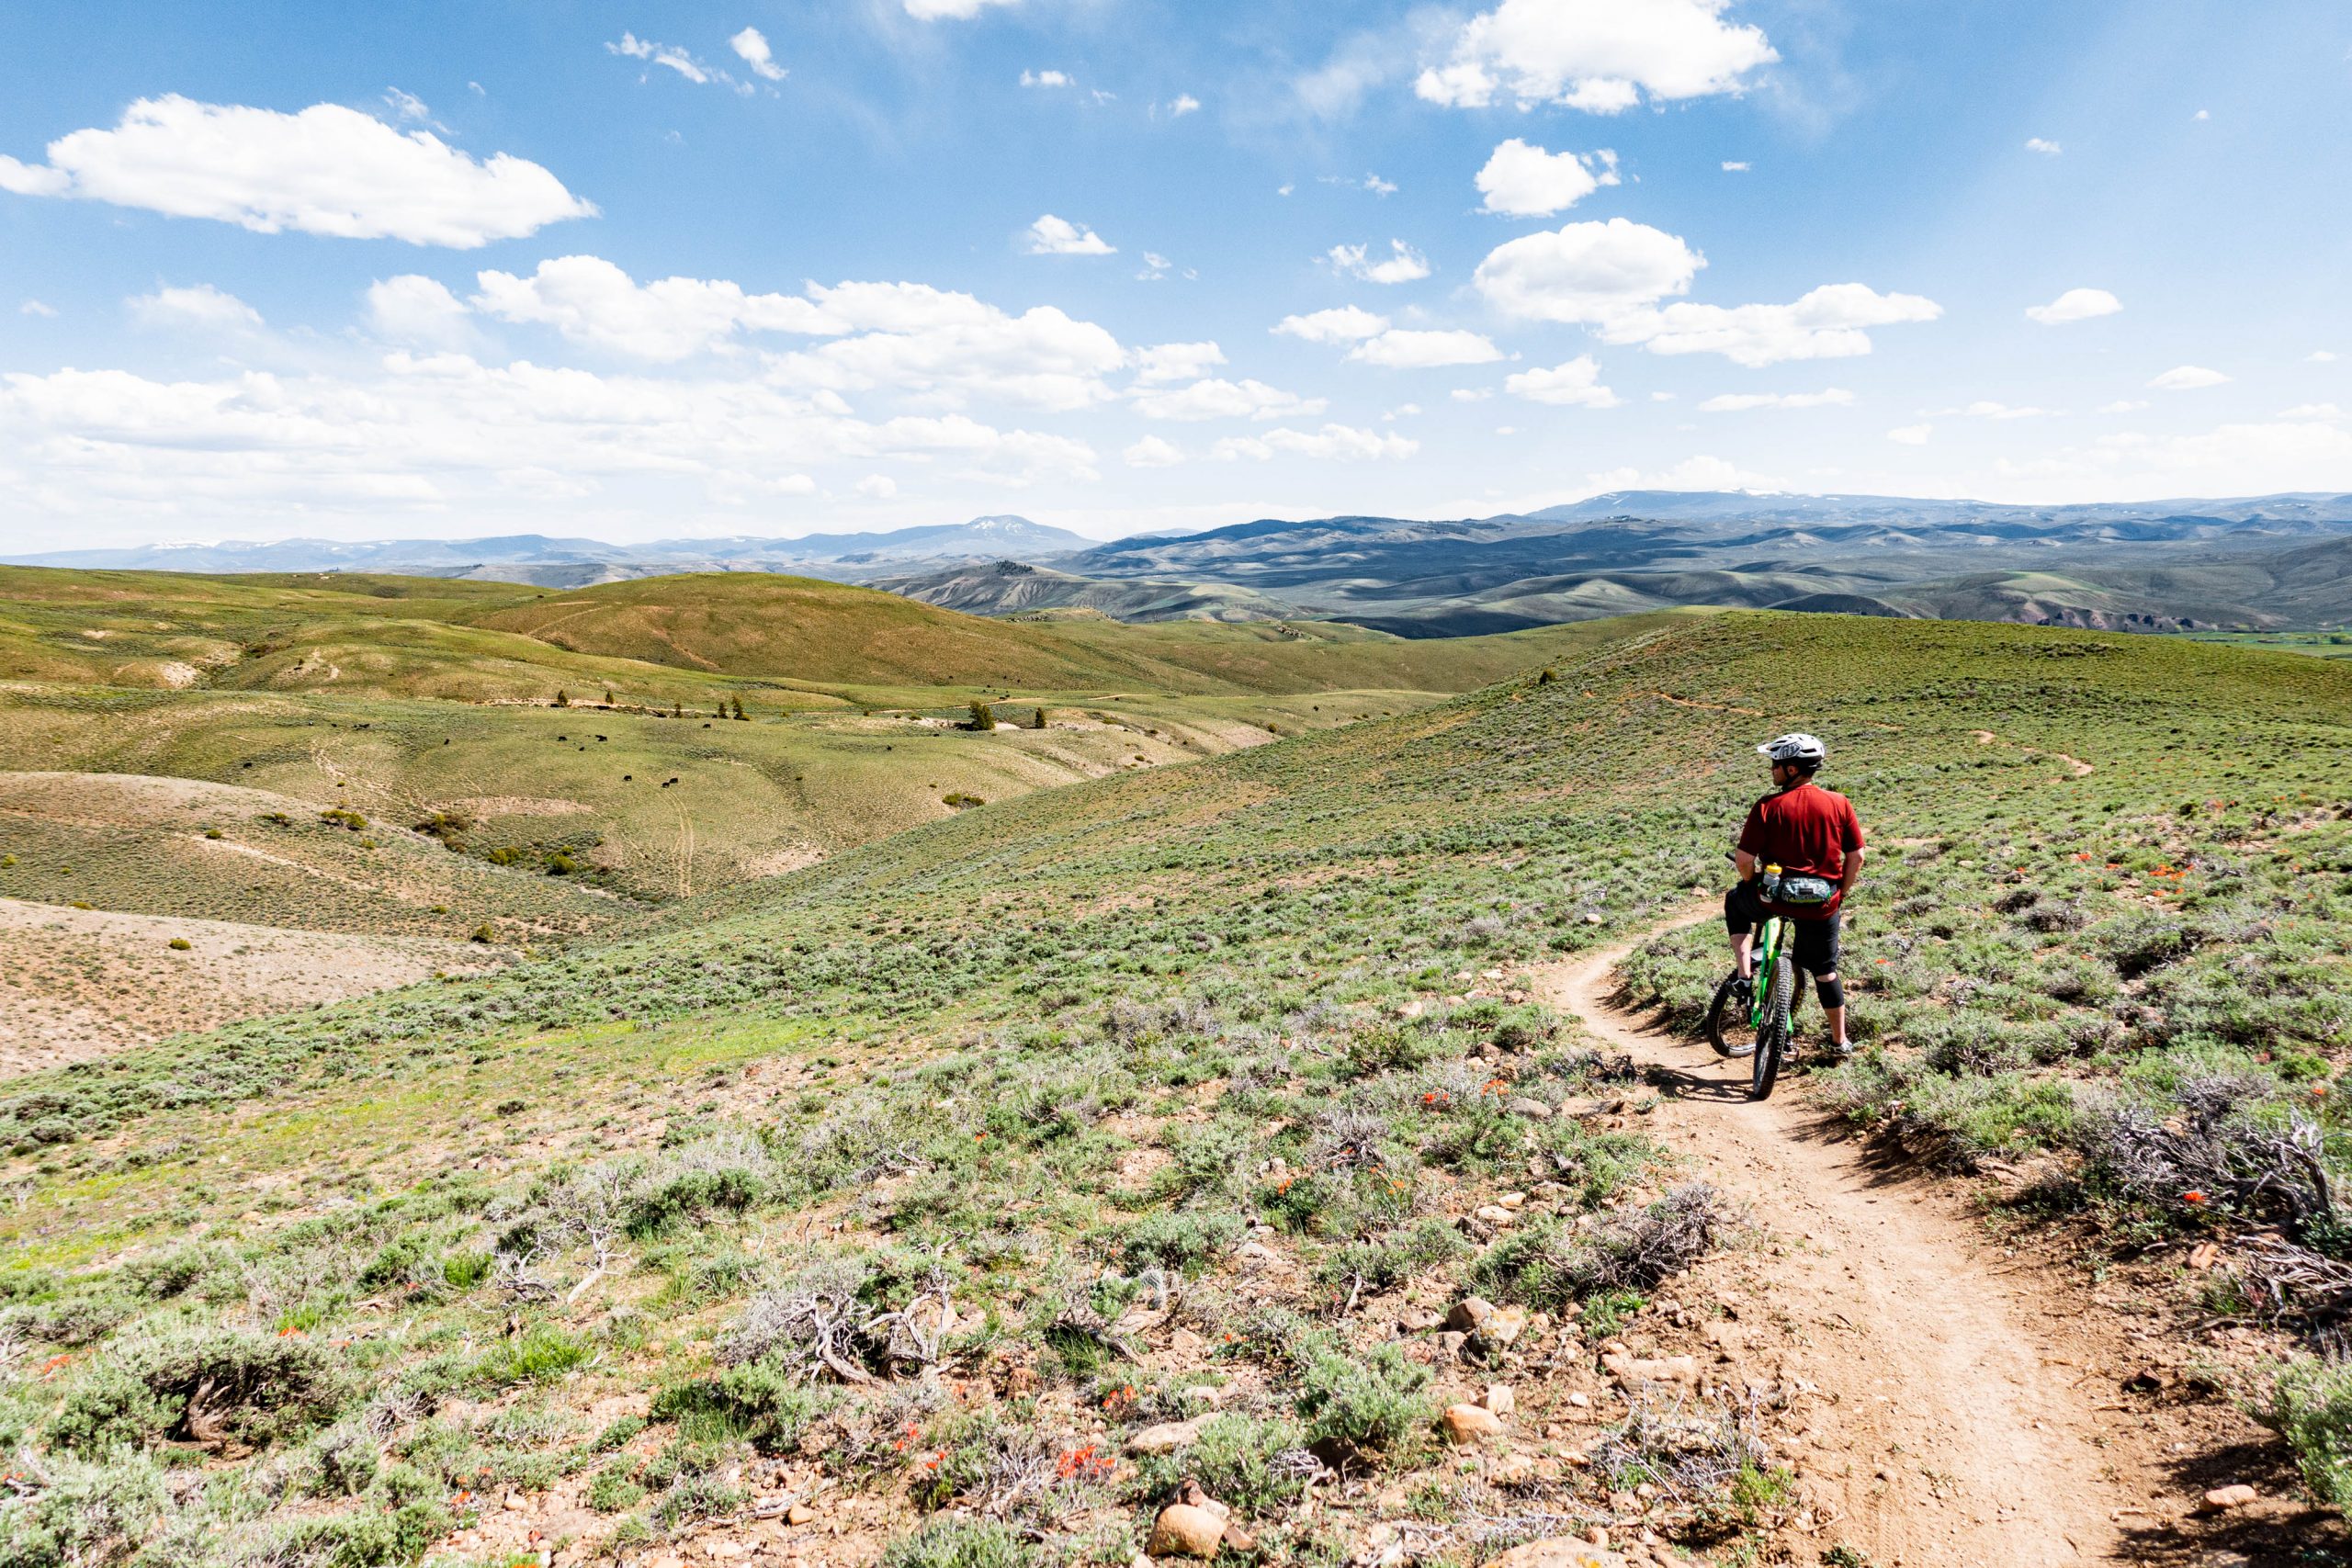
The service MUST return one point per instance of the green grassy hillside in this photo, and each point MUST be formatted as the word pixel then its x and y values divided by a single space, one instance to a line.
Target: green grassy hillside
pixel 1306 656
pixel 386 695
pixel 643 804
pixel 794 644
pixel 1012 1090
pixel 140 844
pixel 800 629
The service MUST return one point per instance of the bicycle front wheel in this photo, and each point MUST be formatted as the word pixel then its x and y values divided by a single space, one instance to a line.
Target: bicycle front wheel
pixel 1773 1036
pixel 1724 1017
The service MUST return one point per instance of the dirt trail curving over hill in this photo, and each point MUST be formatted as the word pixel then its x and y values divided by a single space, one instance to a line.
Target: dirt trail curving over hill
pixel 1947 1434
pixel 2074 765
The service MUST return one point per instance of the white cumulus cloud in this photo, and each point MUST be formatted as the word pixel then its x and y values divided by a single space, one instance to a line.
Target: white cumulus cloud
pixel 1576 384
pixel 2042 146
pixel 1052 236
pixel 415 310
pixel 911 338
pixel 2187 378
pixel 593 302
pixel 1346 324
pixel 1586 272
pixel 34 308
pixel 1402 265
pixel 1403 349
pixel 1182 105
pixel 1911 435
pixel 1151 451
pixel 750 46
pixel 1225 399
pixel 2075 305
pixel 1739 402
pixel 406 435
pixel 328 170
pixel 202 308
pixel 1334 442
pixel 1176 361
pixel 1829 323
pixel 1524 181
pixel 905 338
pixel 1046 79
pixel 1596 55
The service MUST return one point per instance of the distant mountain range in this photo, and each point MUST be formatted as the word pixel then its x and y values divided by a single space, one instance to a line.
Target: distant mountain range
pixel 2267 561
pixel 573 563
pixel 2154 566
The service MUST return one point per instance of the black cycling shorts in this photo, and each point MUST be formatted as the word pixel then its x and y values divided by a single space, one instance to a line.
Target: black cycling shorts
pixel 1815 948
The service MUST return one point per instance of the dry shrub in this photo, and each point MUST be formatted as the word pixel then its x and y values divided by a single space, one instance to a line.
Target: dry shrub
pixel 2219 1146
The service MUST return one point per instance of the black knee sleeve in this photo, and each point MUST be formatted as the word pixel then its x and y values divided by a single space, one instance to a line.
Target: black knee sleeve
pixel 1832 991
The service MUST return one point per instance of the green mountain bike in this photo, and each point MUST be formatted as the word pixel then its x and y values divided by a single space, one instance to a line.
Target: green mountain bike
pixel 1766 1016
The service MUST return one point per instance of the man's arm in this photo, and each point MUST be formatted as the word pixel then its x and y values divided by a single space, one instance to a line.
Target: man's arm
pixel 1851 874
pixel 1748 850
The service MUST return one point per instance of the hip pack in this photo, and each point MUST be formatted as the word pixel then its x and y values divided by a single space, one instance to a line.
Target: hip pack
pixel 1800 890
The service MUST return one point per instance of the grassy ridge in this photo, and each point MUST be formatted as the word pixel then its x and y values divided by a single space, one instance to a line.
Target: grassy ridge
pixel 655 806
pixel 801 644
pixel 415 701
pixel 1074 1032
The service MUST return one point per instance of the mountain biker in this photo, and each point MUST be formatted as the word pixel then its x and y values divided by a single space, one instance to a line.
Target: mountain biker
pixel 1816 840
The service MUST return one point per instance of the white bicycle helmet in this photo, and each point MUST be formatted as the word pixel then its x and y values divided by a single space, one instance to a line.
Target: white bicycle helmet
pixel 1800 748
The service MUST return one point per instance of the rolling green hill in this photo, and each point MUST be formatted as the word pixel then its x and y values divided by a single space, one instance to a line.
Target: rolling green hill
pixel 799 629
pixel 388 696
pixel 499 821
pixel 796 643
pixel 1025 1080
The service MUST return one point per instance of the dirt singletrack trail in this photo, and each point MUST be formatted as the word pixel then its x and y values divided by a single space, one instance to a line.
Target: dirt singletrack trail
pixel 1948 1433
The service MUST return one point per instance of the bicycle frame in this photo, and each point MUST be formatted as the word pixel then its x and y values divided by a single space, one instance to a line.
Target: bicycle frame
pixel 1775 940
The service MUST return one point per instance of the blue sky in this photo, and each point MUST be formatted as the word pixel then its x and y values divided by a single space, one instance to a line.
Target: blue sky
pixel 640 271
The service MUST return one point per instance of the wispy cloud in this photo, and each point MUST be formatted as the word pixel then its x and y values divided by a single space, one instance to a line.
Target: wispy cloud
pixel 1402 265
pixel 2075 305
pixel 1052 236
pixel 750 46
pixel 1739 402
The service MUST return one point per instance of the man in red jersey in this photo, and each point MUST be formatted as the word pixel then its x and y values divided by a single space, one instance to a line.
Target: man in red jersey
pixel 1816 840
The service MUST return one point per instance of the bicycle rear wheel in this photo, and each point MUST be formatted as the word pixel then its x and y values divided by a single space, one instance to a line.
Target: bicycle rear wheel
pixel 1772 1038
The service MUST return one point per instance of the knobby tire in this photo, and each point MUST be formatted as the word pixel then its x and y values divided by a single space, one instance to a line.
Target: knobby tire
pixel 1722 1011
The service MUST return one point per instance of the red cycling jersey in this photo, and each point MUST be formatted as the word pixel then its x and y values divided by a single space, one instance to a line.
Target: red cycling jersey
pixel 1805 831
